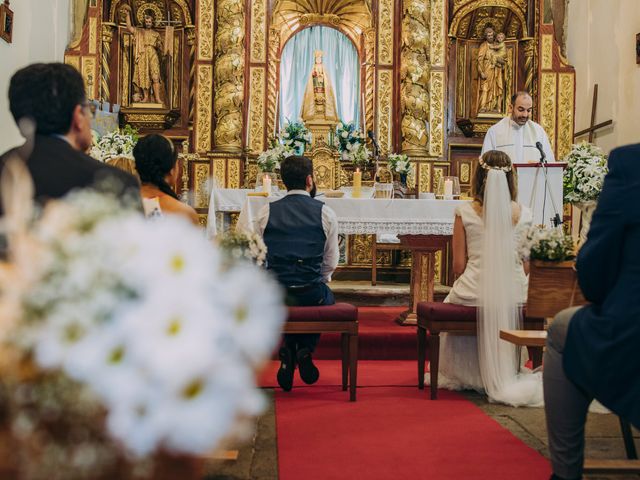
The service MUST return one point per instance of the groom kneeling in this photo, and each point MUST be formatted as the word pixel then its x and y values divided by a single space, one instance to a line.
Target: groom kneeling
pixel 301 235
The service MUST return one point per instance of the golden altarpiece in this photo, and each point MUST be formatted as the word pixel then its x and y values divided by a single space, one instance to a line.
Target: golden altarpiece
pixel 218 72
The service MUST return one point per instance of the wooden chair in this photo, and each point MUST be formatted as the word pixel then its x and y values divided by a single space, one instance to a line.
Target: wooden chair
pixel 341 318
pixel 435 318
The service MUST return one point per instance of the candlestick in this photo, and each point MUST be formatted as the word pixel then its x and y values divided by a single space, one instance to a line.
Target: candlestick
pixel 275 115
pixel 266 184
pixel 448 189
pixel 357 183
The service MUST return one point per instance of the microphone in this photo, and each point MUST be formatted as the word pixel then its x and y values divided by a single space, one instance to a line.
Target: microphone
pixel 543 156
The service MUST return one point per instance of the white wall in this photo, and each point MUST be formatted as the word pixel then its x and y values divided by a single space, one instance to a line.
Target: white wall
pixel 601 46
pixel 40 33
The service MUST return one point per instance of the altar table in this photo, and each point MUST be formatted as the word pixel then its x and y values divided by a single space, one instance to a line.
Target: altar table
pixel 424 226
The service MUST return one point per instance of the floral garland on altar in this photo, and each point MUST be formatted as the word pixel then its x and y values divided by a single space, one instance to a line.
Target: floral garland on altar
pixel 584 176
pixel 140 335
pixel 119 143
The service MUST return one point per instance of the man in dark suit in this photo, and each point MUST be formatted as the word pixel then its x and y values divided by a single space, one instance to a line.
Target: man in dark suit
pixel 50 99
pixel 592 350
pixel 301 235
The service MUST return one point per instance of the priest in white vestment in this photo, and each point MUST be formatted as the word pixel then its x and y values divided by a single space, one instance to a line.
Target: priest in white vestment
pixel 517 135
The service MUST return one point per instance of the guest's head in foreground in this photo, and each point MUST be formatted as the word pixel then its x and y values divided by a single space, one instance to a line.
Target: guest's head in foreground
pixel 493 159
pixel 297 174
pixel 52 96
pixel 157 163
pixel 521 107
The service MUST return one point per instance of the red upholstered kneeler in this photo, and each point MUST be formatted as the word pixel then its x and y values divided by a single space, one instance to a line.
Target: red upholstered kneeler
pixel 341 318
pixel 435 318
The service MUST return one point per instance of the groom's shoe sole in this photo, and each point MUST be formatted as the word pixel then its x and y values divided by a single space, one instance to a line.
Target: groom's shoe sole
pixel 287 367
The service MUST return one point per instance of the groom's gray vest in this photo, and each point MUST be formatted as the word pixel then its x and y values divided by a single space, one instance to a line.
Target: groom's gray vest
pixel 295 240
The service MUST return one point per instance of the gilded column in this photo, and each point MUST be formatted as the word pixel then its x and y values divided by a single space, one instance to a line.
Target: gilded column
pixel 437 81
pixel 229 75
pixel 272 75
pixel 192 44
pixel 369 76
pixel 414 75
pixel 105 75
pixel 529 64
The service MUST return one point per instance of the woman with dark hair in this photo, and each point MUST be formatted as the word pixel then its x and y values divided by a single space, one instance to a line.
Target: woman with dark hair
pixel 157 164
pixel 492 277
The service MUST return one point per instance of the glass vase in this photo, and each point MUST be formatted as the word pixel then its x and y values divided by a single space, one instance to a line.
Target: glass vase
pixel 260 181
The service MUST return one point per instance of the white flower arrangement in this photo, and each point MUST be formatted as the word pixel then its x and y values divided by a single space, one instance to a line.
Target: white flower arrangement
pixel 243 246
pixel 399 163
pixel 360 157
pixel 295 135
pixel 115 144
pixel 269 160
pixel 584 176
pixel 540 243
pixel 348 138
pixel 148 316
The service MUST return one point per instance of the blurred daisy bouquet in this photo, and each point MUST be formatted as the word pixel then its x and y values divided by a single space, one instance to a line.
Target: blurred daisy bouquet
pixel 115 144
pixel 125 339
pixel 242 246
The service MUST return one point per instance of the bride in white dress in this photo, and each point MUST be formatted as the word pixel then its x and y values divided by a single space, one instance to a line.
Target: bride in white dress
pixel 493 278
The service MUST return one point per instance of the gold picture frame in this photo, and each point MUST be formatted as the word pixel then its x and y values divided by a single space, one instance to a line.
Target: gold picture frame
pixel 6 22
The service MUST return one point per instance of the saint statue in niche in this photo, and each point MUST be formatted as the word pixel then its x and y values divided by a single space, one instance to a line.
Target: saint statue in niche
pixel 492 59
pixel 319 101
pixel 147 51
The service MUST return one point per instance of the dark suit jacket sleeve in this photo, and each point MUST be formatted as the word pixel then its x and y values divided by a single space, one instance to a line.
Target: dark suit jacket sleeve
pixel 599 258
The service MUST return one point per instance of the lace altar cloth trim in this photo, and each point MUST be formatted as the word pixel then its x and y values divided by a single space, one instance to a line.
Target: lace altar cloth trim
pixel 360 226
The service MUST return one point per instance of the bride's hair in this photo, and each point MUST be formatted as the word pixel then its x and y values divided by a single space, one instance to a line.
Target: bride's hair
pixel 493 159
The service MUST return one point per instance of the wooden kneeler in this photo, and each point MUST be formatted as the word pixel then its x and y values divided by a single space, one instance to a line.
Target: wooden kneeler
pixel 339 318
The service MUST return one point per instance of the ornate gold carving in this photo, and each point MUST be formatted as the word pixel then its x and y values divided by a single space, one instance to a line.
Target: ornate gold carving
pixel 186 157
pixel 258 28
pixel 272 78
pixel 437 33
pixel 200 185
pixel 324 168
pixel 203 120
pixel 89 75
pixel 105 76
pixel 529 64
pixel 154 119
pixel 205 30
pixel 72 60
pixel 234 172
pixel 385 32
pixel 548 106
pixel 256 110
pixel 436 114
pixel 460 79
pixel 465 172
pixel 125 73
pixel 229 75
pixel 186 13
pixel 360 251
pixel 464 10
pixel 438 173
pixel 424 180
pixel 219 172
pixel 93 35
pixel 565 113
pixel 385 89
pixel 192 44
pixel 414 74
pixel 369 75
pixel 250 175
pixel 203 219
pixel 547 52
pixel 353 16
pixel 177 68
pixel 327 18
pixel 437 266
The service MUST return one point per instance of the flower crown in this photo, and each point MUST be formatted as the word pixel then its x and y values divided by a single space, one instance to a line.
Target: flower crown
pixel 484 165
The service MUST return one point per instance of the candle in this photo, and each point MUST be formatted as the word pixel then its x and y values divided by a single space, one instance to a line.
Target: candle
pixel 448 188
pixel 275 115
pixel 357 183
pixel 266 184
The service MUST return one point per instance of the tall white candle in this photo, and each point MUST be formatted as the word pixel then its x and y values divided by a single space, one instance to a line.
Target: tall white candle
pixel 448 188
pixel 266 184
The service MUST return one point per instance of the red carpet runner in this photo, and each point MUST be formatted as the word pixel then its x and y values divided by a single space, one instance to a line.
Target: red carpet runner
pixel 392 432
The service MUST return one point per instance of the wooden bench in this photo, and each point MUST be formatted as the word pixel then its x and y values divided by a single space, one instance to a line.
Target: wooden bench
pixel 339 318
pixel 435 318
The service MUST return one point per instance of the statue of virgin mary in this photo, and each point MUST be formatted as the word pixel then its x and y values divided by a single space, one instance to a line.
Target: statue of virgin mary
pixel 319 101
